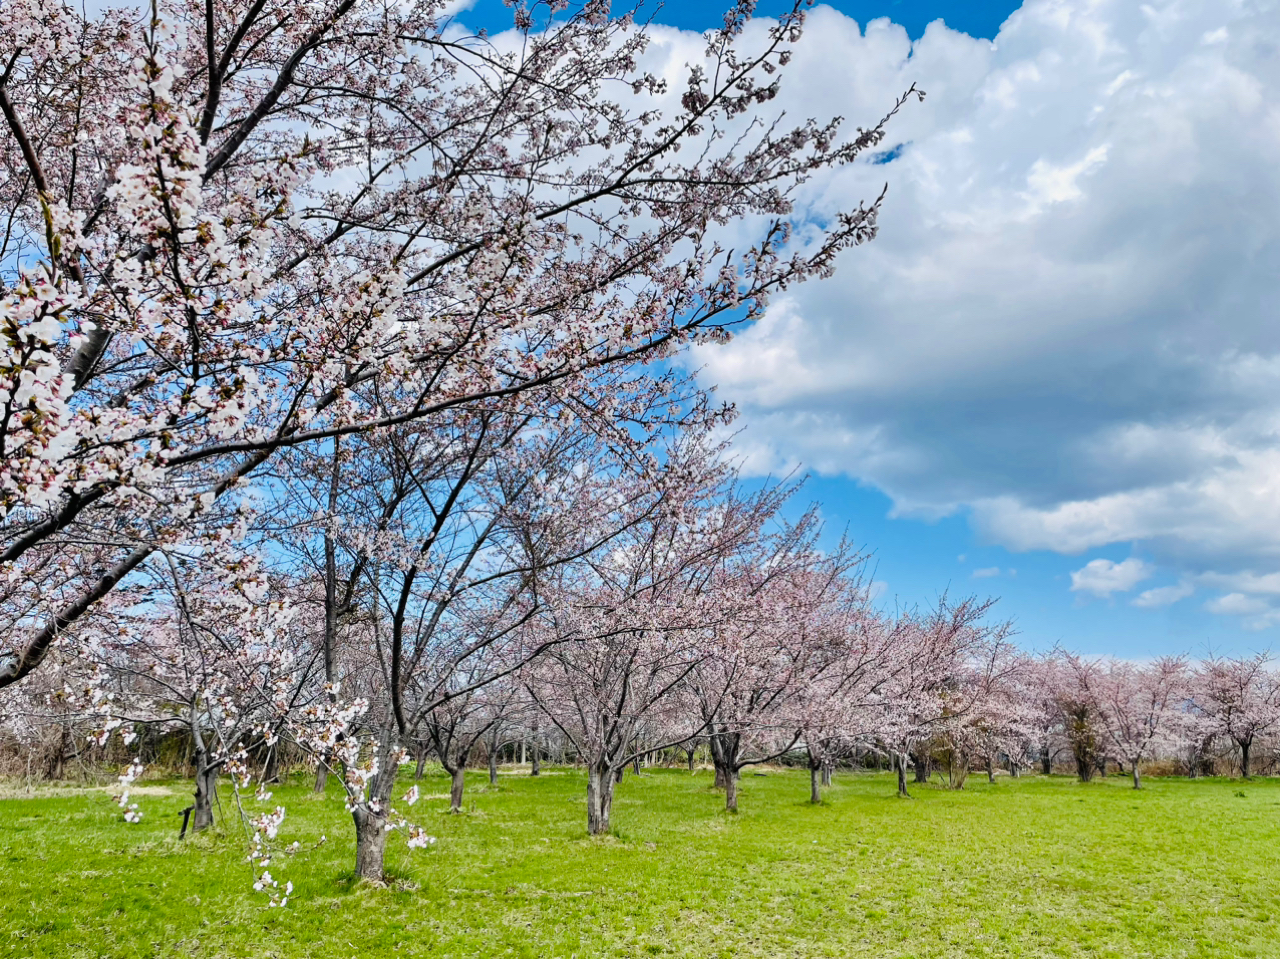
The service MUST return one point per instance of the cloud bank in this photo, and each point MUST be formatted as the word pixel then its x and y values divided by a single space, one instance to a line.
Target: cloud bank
pixel 1066 329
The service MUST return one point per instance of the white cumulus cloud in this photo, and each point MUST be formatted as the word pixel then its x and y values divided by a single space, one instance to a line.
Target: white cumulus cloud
pixel 1163 596
pixel 1065 329
pixel 1102 577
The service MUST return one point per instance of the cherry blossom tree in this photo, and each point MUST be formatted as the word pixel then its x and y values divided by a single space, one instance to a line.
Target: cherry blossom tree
pixel 630 626
pixel 206 650
pixel 234 229
pixel 941 664
pixel 1137 707
pixel 789 612
pixel 1240 698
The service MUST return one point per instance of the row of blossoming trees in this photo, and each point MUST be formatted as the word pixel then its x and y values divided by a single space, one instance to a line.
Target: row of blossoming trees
pixel 339 407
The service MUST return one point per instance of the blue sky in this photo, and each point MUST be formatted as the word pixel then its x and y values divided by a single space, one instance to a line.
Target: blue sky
pixel 978 18
pixel 1055 375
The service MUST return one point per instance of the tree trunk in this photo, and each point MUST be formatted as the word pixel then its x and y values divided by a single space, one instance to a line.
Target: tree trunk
pixel 1244 758
pixel 422 761
pixel 535 767
pixel 991 770
pixel 459 780
pixel 371 843
pixel 826 774
pixel 635 764
pixel 617 776
pixel 719 784
pixel 206 786
pixel 815 784
pixel 921 763
pixel 493 767
pixel 690 753
pixel 1046 763
pixel 370 814
pixel 600 781
pixel 322 775
pixel 731 793
pixel 900 760
pixel 1137 779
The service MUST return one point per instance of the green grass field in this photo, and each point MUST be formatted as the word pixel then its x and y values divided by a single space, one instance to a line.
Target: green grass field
pixel 1031 867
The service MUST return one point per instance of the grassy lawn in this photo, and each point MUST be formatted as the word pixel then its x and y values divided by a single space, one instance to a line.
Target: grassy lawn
pixel 1031 867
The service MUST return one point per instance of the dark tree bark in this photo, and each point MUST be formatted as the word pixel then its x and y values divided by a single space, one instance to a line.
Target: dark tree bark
pixel 206 788
pixel 206 777
pixel 923 765
pixel 1245 746
pixel 815 783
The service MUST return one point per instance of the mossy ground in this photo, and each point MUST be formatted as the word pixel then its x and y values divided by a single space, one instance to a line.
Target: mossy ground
pixel 1032 867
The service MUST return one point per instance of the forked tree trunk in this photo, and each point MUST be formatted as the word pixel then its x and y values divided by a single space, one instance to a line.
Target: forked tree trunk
pixel 600 782
pixel 826 774
pixel 635 764
pixel 1137 779
pixel 617 776
pixel 458 782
